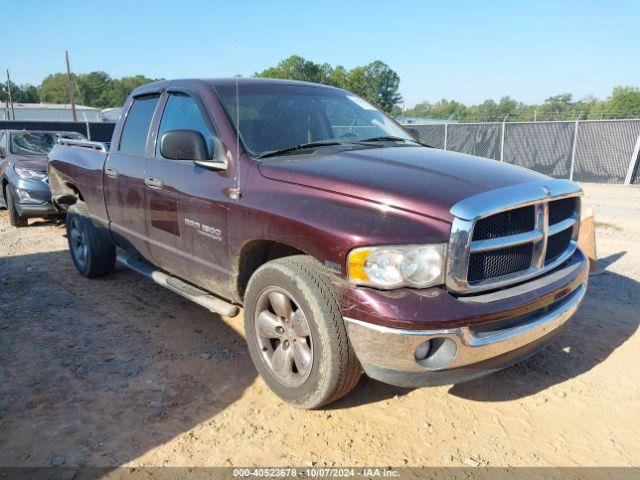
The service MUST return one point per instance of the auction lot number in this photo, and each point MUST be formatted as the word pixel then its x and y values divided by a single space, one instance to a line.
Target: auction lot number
pixel 315 472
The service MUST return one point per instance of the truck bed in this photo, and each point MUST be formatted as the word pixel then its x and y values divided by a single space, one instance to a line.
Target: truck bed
pixel 77 166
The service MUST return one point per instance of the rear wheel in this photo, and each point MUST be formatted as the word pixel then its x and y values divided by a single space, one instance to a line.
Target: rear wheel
pixel 14 217
pixel 296 336
pixel 92 250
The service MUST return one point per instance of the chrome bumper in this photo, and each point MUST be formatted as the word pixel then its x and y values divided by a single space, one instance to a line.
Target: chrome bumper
pixel 384 352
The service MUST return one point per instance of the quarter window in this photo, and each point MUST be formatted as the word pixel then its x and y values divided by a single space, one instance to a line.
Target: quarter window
pixel 136 126
pixel 182 113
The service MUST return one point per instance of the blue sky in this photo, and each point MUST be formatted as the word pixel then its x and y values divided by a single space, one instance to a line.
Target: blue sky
pixel 463 50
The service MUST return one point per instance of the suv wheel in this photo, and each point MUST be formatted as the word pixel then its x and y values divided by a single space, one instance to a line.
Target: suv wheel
pixel 14 217
pixel 296 336
pixel 92 250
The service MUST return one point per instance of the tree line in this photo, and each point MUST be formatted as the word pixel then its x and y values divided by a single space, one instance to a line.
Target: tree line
pixel 94 89
pixel 624 102
pixel 376 82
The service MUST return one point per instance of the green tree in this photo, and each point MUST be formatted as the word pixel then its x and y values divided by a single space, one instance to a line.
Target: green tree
pixel 92 88
pixel 376 82
pixel 337 77
pixel 29 94
pixel 422 109
pixel 95 89
pixel 53 88
pixel 625 101
pixel 119 89
pixel 449 109
pixel 297 68
pixel 19 93
pixel 557 106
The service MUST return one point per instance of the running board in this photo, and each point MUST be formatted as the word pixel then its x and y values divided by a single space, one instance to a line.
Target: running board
pixel 178 286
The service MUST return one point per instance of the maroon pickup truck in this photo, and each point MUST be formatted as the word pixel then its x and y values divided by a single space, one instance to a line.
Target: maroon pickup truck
pixel 350 245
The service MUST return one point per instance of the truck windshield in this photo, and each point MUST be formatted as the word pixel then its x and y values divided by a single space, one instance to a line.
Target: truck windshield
pixel 277 117
pixel 38 143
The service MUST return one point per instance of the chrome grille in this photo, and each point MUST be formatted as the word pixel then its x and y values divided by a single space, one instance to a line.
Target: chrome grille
pixel 557 244
pixel 506 223
pixel 511 234
pixel 561 209
pixel 495 263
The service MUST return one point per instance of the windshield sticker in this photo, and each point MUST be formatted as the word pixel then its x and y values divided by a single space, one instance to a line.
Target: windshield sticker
pixel 361 103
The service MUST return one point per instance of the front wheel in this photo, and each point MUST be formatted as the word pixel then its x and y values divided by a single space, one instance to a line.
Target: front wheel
pixel 14 217
pixel 296 336
pixel 92 250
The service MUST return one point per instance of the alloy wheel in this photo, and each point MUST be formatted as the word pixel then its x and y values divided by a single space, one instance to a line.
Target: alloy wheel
pixel 78 241
pixel 283 336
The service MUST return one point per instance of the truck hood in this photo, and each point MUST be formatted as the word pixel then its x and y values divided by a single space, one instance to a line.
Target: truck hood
pixel 424 180
pixel 37 162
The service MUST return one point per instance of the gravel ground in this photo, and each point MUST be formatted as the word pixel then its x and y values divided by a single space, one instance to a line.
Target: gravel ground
pixel 118 371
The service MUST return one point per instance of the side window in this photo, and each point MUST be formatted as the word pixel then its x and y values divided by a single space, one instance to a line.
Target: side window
pixel 136 126
pixel 3 141
pixel 182 113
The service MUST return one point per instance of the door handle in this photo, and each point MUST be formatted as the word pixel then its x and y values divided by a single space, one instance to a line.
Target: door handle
pixel 112 172
pixel 154 183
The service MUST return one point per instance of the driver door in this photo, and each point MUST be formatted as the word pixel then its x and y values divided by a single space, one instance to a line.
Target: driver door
pixel 186 203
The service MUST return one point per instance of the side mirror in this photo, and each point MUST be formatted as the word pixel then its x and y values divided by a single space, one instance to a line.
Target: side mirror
pixel 414 132
pixel 3 152
pixel 184 145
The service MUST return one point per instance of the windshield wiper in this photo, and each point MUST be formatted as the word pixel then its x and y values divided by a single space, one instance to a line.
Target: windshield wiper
pixel 391 138
pixel 302 146
pixel 385 138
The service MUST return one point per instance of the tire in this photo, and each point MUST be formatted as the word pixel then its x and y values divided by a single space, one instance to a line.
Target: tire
pixel 333 370
pixel 14 217
pixel 92 249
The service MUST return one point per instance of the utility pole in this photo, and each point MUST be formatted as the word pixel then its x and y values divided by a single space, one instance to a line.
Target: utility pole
pixel 6 101
pixel 70 88
pixel 9 99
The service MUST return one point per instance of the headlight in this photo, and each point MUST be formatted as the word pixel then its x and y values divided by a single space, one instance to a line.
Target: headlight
pixel 30 174
pixel 396 266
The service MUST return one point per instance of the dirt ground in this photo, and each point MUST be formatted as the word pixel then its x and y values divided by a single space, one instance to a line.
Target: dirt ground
pixel 119 371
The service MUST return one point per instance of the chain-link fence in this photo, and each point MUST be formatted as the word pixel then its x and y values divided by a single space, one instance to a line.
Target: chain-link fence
pixel 96 131
pixel 600 151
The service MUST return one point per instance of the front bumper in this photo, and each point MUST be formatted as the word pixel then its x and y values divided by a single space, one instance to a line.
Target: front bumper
pixel 465 352
pixel 40 210
pixel 38 203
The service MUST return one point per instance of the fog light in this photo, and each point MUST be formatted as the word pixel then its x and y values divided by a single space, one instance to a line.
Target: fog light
pixel 23 195
pixel 436 353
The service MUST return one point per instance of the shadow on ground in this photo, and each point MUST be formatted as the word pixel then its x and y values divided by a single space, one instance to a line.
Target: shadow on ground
pixel 98 372
pixel 368 391
pixel 603 323
pixel 46 222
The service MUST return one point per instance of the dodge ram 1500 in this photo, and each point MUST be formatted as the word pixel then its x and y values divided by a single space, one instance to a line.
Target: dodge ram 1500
pixel 351 246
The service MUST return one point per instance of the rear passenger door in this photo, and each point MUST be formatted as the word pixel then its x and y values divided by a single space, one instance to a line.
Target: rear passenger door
pixel 186 203
pixel 3 162
pixel 124 175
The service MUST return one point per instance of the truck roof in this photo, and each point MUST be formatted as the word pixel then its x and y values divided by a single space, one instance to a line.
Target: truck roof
pixel 226 82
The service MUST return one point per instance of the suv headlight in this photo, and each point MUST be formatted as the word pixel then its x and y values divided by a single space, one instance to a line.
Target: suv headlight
pixel 396 266
pixel 30 173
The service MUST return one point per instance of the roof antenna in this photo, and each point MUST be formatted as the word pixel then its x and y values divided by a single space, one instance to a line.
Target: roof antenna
pixel 237 193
